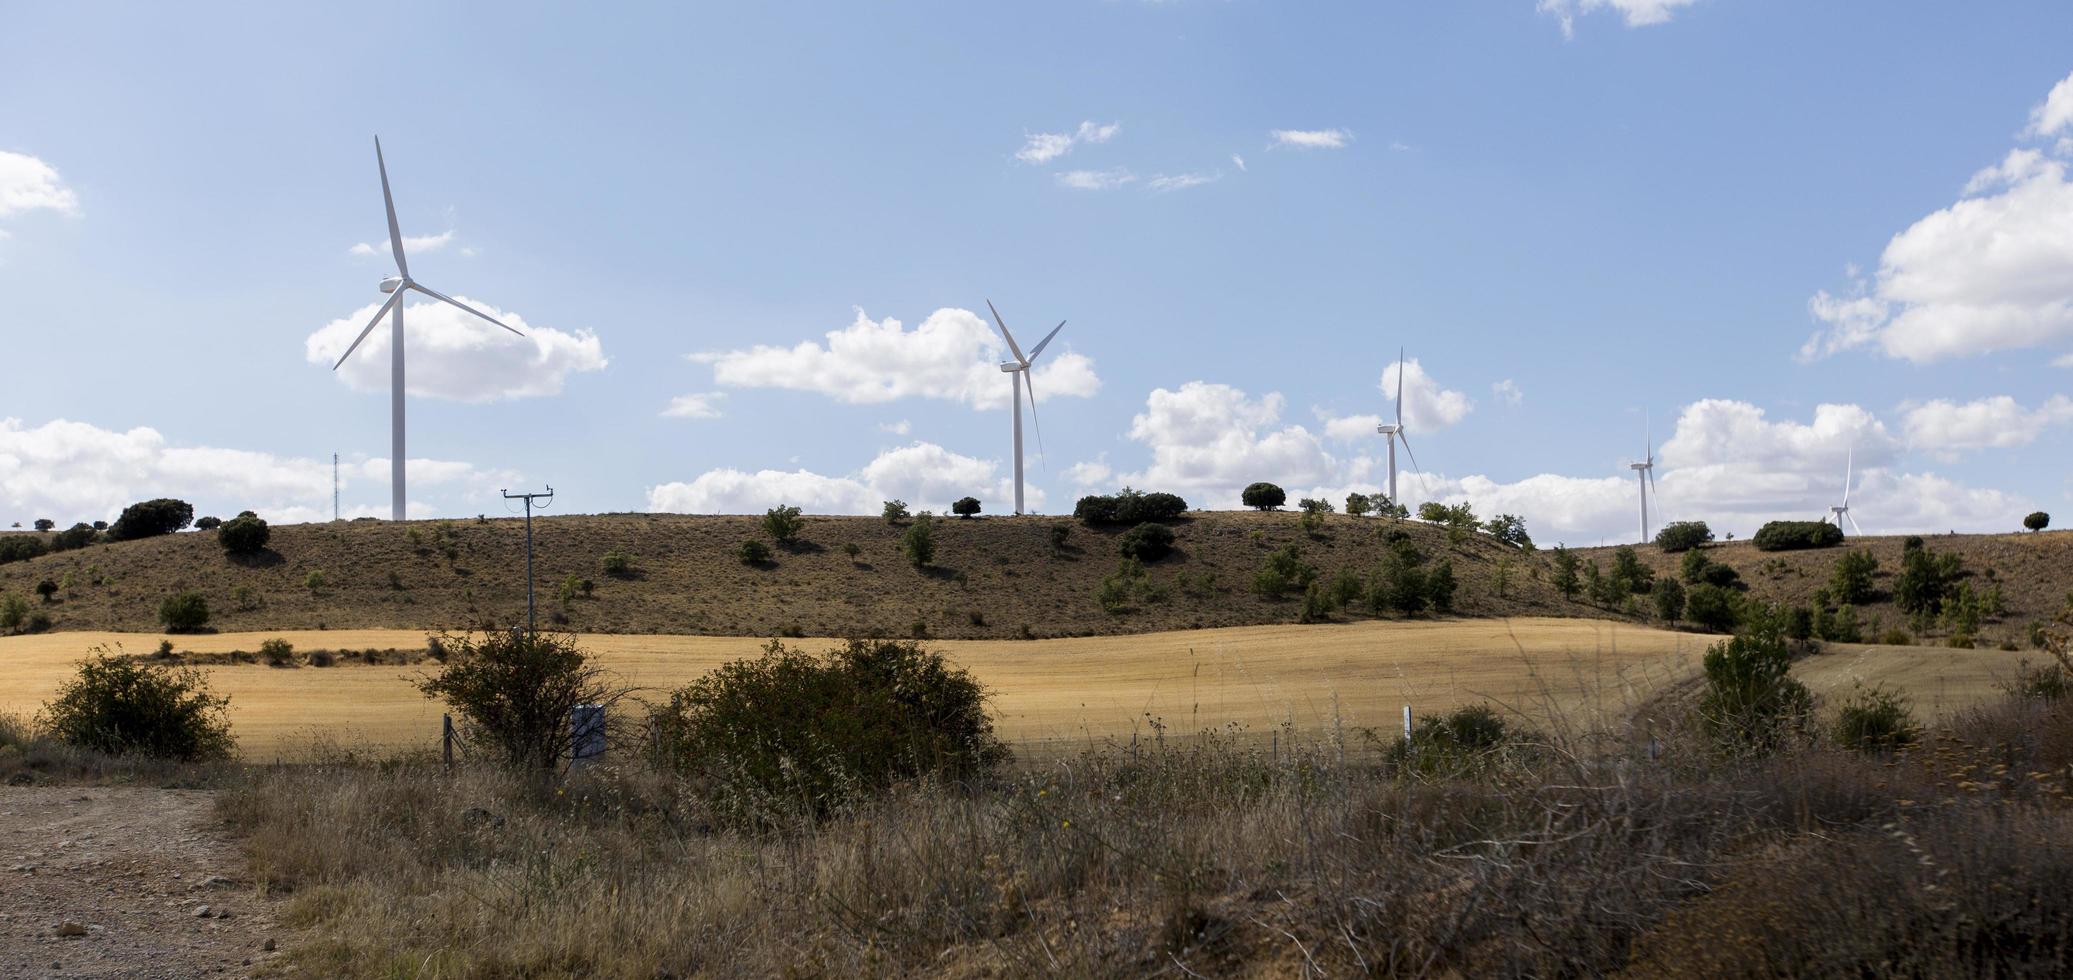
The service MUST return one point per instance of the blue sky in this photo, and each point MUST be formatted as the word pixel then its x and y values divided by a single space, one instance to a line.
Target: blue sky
pixel 1781 232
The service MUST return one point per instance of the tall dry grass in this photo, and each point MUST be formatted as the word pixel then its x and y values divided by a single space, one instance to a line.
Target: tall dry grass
pixel 1577 854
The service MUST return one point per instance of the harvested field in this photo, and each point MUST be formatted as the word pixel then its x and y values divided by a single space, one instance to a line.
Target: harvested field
pixel 1066 692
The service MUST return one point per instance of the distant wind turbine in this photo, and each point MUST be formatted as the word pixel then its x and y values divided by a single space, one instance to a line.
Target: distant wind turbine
pixel 1019 368
pixel 1841 512
pixel 1645 474
pixel 1394 432
pixel 396 286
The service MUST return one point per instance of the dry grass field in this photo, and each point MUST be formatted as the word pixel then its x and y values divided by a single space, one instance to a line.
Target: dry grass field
pixel 1064 693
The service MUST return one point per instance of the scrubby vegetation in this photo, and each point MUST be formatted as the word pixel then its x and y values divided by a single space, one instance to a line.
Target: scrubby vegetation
pixel 1683 535
pixel 244 534
pixel 2037 521
pixel 1796 535
pixel 514 691
pixel 1146 542
pixel 1128 506
pixel 184 612
pixel 965 507
pixel 119 706
pixel 1263 496
pixel 151 518
pixel 783 523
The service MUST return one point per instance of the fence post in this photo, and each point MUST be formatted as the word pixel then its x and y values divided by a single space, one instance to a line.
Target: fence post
pixel 446 739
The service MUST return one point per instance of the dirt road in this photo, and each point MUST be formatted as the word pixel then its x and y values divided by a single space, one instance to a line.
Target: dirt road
pixel 125 882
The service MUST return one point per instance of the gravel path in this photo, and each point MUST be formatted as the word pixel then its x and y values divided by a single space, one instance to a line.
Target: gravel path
pixel 125 882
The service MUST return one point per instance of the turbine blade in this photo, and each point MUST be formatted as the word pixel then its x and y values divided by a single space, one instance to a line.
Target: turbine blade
pixel 1853 524
pixel 1849 473
pixel 998 322
pixel 1407 451
pixel 1038 350
pixel 435 294
pixel 388 201
pixel 1400 392
pixel 393 299
pixel 1029 381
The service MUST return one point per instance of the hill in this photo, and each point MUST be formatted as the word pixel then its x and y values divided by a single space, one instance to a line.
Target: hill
pixel 2034 573
pixel 993 577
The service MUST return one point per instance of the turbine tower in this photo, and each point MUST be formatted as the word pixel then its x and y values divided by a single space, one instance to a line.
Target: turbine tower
pixel 1841 512
pixel 1019 369
pixel 396 286
pixel 1645 475
pixel 1394 432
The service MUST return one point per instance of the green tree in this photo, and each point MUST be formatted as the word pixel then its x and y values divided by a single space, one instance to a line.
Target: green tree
pixel 1669 598
pixel 1629 575
pixel 895 511
pixel 1712 607
pixel 1683 536
pixel 1751 702
pixel 45 524
pixel 151 518
pixel 2037 521
pixel 1357 504
pixel 46 589
pixel 515 691
pixel 1851 581
pixel 1565 572
pixel 1510 529
pixel 919 541
pixel 1146 542
pixel 121 706
pixel 965 506
pixel 184 612
pixel 244 534
pixel 783 523
pixel 1263 496
pixel 753 552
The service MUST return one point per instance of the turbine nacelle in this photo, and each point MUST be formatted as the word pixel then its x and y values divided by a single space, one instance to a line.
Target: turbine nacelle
pixel 1388 430
pixel 1010 367
pixel 392 283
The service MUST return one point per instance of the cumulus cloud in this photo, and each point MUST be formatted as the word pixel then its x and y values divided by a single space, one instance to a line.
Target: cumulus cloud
pixel 1090 474
pixel 1427 404
pixel 1042 148
pixel 412 244
pixel 1207 441
pixel 1987 273
pixel 1637 13
pixel 1947 428
pixel 76 471
pixel 1311 139
pixel 457 356
pixel 925 475
pixel 952 355
pixel 697 405
pixel 1095 180
pixel 899 428
pixel 1507 391
pixel 1351 428
pixel 29 184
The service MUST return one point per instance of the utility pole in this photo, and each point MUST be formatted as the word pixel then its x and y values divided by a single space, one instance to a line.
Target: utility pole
pixel 545 499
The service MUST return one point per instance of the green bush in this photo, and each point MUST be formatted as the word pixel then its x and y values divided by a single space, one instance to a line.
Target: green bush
pixel 121 706
pixel 47 589
pixel 895 511
pixel 1683 535
pixel 314 580
pixel 1669 599
pixel 1357 504
pixel 791 734
pixel 14 612
pixel 1129 506
pixel 1797 535
pixel 2037 521
pixel 150 519
pixel 1926 579
pixel 1876 721
pixel 207 523
pixel 1712 607
pixel 77 536
pixel 1799 623
pixel 1312 505
pixel 1510 529
pixel 277 652
pixel 1751 702
pixel 783 523
pixel 753 552
pixel 1263 496
pixel 617 563
pixel 1468 739
pixel 1565 571
pixel 44 524
pixel 965 506
pixel 184 612
pixel 918 542
pixel 1287 567
pixel 514 691
pixel 21 547
pixel 1851 582
pixel 1146 542
pixel 244 534
pixel 1059 534
pixel 1629 576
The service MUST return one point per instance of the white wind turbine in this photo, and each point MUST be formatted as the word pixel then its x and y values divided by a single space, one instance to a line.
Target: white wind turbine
pixel 1394 432
pixel 1645 474
pixel 1019 368
pixel 396 286
pixel 1841 512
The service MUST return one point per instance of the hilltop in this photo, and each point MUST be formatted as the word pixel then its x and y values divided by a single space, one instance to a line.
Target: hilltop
pixel 993 577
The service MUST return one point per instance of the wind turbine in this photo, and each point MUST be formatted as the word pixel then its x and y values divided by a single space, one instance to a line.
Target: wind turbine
pixel 1841 512
pixel 396 286
pixel 1019 368
pixel 1396 431
pixel 1645 474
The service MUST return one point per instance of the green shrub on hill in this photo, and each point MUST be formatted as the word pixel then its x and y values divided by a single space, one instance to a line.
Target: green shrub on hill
pixel 1146 542
pixel 1129 506
pixel 2037 521
pixel 783 523
pixel 1263 496
pixel 965 506
pixel 122 706
pixel 1751 702
pixel 21 547
pixel 1797 535
pixel 514 691
pixel 150 519
pixel 1683 535
pixel 245 534
pixel 184 612
pixel 1851 581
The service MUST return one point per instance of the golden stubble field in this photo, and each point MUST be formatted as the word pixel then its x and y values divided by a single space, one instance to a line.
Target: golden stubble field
pixel 1054 694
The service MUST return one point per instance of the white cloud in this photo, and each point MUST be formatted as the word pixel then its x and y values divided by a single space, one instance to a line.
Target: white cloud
pixel 1208 441
pixel 1638 13
pixel 1239 161
pixel 412 245
pixel 1946 428
pixel 1351 428
pixel 2055 114
pixel 1179 182
pixel 75 471
pixel 1988 273
pixel 29 184
pixel 925 475
pixel 1095 180
pixel 900 428
pixel 1041 148
pixel 1311 139
pixel 953 355
pixel 1427 405
pixel 697 405
pixel 1508 392
pixel 1090 474
pixel 457 356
